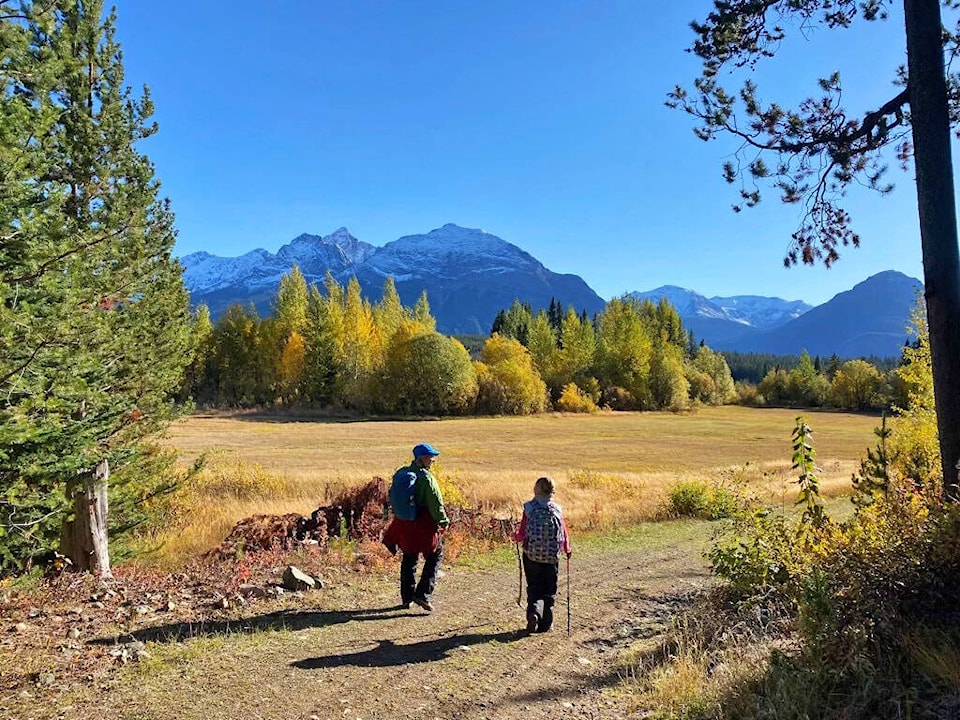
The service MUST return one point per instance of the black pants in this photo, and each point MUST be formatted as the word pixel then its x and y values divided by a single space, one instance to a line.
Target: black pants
pixel 541 591
pixel 409 587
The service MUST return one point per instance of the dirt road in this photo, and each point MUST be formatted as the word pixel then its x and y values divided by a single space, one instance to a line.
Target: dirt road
pixel 360 656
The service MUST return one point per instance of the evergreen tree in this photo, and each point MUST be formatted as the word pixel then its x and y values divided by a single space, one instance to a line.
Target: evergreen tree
pixel 320 372
pixel 555 315
pixel 94 319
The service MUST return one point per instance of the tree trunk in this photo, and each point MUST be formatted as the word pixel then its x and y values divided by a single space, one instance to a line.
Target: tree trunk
pixel 84 539
pixel 938 221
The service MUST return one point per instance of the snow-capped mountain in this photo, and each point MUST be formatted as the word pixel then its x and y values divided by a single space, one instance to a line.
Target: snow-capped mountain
pixel 868 320
pixel 205 273
pixel 718 320
pixel 468 274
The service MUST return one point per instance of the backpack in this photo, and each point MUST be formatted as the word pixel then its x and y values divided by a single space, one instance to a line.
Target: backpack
pixel 544 533
pixel 402 492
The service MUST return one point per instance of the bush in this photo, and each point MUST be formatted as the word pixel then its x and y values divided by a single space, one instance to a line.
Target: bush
pixel 694 498
pixel 572 399
pixel 618 398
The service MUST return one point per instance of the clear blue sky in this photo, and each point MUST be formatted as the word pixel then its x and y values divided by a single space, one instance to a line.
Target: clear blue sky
pixel 541 122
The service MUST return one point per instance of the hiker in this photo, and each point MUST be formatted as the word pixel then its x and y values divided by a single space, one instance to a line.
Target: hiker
pixel 543 532
pixel 419 519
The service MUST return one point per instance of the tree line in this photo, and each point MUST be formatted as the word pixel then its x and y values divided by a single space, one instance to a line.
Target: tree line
pixel 332 348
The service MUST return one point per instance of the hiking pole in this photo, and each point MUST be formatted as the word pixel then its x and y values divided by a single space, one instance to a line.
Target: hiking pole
pixel 568 594
pixel 520 571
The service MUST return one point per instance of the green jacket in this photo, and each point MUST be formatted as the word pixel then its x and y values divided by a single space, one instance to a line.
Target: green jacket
pixel 426 493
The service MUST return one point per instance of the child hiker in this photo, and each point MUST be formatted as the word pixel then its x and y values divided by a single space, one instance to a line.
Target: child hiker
pixel 543 533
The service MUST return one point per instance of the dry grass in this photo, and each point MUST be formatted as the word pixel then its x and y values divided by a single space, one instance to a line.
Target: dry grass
pixel 610 468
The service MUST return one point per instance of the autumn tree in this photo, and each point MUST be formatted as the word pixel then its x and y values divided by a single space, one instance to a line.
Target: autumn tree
pixel 508 382
pixel 624 350
pixel 94 315
pixel 813 153
pixel 430 374
pixel 855 385
pixel 709 377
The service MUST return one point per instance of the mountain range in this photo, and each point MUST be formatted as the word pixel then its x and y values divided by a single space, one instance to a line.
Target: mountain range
pixel 470 274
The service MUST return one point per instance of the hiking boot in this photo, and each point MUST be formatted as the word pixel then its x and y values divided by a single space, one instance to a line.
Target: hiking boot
pixel 424 603
pixel 532 623
pixel 405 605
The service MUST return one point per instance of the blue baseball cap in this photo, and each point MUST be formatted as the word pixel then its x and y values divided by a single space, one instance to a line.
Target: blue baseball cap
pixel 424 449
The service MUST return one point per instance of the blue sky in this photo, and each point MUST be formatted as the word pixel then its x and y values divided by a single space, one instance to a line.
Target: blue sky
pixel 541 122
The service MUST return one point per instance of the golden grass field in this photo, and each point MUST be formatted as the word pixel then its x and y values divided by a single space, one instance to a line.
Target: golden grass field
pixel 610 468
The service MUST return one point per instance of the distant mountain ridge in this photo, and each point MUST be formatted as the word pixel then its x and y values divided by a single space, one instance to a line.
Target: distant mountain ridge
pixel 868 320
pixel 469 275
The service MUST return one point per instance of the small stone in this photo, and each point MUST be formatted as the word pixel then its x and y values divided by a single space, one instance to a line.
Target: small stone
pixel 584 661
pixel 73 634
pixel 21 627
pixel 46 679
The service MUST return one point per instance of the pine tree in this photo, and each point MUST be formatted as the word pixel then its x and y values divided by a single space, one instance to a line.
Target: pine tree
pixel 814 153
pixel 94 315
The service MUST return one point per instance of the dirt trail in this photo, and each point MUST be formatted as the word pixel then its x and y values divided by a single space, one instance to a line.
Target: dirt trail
pixel 360 656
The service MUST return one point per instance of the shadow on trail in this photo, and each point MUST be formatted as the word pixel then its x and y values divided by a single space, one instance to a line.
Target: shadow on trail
pixel 280 620
pixel 388 653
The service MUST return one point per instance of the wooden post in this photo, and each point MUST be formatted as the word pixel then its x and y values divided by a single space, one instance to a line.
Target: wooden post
pixel 84 539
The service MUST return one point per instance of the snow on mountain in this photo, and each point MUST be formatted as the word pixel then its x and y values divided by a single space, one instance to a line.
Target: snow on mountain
pixel 450 251
pixel 204 272
pixel 338 249
pixel 747 310
pixel 761 312
pixel 468 274
pixel 259 269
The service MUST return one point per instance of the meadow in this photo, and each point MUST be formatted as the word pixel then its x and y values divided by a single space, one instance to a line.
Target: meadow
pixel 612 469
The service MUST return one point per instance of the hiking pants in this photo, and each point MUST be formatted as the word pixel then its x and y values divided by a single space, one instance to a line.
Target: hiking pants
pixel 409 587
pixel 541 591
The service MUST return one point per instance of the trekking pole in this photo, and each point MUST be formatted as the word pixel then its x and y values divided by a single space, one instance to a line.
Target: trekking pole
pixel 520 571
pixel 568 594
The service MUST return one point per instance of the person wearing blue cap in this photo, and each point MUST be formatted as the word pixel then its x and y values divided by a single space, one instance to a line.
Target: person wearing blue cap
pixel 419 518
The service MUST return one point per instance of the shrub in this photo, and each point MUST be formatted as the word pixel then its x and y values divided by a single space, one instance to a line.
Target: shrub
pixel 618 398
pixel 694 498
pixel 590 480
pixel 572 399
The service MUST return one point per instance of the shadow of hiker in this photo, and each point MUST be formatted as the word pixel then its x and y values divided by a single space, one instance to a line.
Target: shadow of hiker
pixel 280 620
pixel 388 653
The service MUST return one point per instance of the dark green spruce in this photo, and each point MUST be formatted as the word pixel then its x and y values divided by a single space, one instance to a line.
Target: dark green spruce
pixel 93 321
